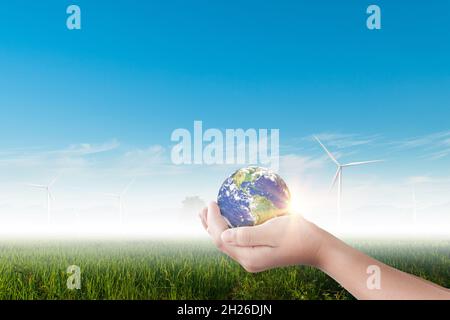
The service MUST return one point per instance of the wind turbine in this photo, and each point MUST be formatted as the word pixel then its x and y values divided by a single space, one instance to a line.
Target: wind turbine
pixel 50 197
pixel 338 176
pixel 119 197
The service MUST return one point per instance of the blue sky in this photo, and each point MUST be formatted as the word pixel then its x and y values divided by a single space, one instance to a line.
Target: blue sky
pixel 138 70
pixel 300 66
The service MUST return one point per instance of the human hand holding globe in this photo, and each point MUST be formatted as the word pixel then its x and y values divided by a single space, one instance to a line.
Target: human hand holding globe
pixel 281 241
pixel 254 202
pixel 252 227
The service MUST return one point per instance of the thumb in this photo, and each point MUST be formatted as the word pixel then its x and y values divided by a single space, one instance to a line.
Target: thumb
pixel 249 236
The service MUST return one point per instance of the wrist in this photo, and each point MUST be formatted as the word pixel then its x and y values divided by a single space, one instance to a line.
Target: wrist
pixel 317 241
pixel 326 243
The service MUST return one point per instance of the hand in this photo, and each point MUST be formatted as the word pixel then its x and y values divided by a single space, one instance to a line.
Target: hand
pixel 290 240
pixel 282 241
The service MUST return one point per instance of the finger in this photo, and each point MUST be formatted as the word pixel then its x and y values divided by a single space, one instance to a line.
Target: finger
pixel 252 259
pixel 204 224
pixel 216 223
pixel 202 216
pixel 266 234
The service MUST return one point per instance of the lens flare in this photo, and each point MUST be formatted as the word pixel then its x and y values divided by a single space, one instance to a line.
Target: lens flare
pixel 295 205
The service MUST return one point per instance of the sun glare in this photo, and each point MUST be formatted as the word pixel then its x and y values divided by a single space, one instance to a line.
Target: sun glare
pixel 295 205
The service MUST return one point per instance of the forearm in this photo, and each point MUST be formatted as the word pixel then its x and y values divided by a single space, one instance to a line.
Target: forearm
pixel 349 267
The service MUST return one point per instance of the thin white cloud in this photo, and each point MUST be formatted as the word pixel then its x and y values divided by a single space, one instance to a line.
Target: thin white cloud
pixel 440 138
pixel 83 149
pixel 68 156
pixel 427 179
pixel 152 160
pixel 300 164
pixel 419 179
pixel 344 140
pixel 433 146
pixel 152 154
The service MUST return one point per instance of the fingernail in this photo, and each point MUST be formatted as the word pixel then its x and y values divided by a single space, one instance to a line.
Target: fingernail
pixel 228 235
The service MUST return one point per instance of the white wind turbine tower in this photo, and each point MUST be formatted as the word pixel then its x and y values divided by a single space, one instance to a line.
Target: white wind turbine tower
pixel 119 197
pixel 50 197
pixel 338 176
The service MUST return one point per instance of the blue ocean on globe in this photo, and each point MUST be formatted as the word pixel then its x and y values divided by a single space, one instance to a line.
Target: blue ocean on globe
pixel 253 195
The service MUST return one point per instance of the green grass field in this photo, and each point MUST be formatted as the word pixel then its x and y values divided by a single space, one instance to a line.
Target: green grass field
pixel 191 269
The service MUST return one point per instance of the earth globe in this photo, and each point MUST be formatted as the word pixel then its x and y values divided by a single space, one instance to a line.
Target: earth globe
pixel 253 195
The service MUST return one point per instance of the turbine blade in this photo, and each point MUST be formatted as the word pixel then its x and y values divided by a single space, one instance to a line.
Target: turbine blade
pixel 333 183
pixel 328 152
pixel 51 195
pixel 54 180
pixel 114 195
pixel 41 186
pixel 125 190
pixel 352 164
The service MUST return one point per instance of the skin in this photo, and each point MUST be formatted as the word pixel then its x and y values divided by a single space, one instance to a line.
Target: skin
pixel 292 240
